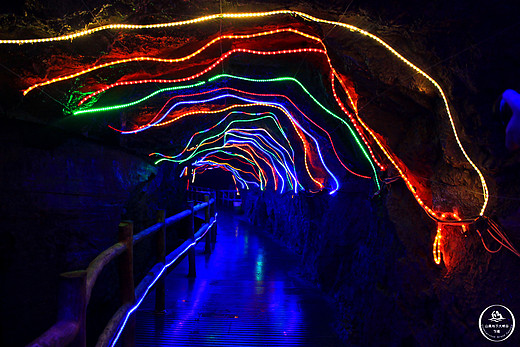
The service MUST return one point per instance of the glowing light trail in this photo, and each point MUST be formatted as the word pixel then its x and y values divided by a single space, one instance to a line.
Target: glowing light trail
pixel 252 153
pixel 257 172
pixel 159 274
pixel 316 20
pixel 206 70
pixel 289 12
pixel 295 123
pixel 279 79
pixel 164 60
pixel 276 155
pixel 248 36
pixel 263 116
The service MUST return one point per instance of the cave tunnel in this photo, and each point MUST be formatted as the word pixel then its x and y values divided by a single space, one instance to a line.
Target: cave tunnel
pixel 233 173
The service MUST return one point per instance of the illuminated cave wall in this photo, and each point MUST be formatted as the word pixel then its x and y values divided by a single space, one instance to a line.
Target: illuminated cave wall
pixel 373 253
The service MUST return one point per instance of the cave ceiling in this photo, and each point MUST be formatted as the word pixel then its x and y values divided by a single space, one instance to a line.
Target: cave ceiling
pixel 293 100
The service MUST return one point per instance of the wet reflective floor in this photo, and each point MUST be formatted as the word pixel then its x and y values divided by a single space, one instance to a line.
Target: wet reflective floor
pixel 247 292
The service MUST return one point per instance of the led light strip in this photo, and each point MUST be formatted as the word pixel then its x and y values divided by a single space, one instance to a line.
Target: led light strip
pixel 248 36
pixel 252 153
pixel 259 116
pixel 323 51
pixel 260 175
pixel 224 167
pixel 206 167
pixel 279 79
pixel 140 300
pixel 232 167
pixel 203 72
pixel 248 93
pixel 136 102
pixel 290 12
pixel 227 109
pixel 317 20
pixel 274 157
pixel 295 122
pixel 429 78
pixel 437 244
pixel 146 26
pixel 253 103
pixel 165 60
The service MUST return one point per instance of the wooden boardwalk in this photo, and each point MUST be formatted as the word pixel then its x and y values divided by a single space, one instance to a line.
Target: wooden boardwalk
pixel 246 293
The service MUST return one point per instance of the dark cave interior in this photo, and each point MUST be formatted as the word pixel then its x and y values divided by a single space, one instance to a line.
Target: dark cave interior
pixel 363 135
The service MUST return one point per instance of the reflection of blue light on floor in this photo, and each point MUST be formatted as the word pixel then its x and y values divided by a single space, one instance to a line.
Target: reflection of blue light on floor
pixel 259 271
pixel 243 295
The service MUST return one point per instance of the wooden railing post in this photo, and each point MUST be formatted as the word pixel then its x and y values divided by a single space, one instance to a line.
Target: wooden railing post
pixel 126 278
pixel 207 248
pixel 191 233
pixel 160 291
pixel 73 293
pixel 212 212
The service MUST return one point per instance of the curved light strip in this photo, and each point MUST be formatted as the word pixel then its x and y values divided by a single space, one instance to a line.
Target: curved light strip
pixel 211 166
pixel 252 154
pixel 262 95
pixel 290 12
pixel 334 74
pixel 140 300
pixel 291 79
pixel 225 56
pixel 295 124
pixel 206 70
pixel 232 107
pixel 294 121
pixel 231 167
pixel 165 60
pixel 235 173
pixel 274 157
pixel 317 20
pixel 260 174
pixel 227 130
pixel 203 168
pixel 268 115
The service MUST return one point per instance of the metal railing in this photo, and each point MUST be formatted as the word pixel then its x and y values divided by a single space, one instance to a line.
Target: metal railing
pixel 228 197
pixel 76 287
pixel 197 193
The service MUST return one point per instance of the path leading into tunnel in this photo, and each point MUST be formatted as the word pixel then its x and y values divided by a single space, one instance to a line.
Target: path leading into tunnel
pixel 248 292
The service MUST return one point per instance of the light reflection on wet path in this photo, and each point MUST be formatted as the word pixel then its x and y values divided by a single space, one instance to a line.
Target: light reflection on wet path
pixel 246 293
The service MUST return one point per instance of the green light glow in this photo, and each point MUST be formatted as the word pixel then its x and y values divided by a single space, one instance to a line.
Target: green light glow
pixel 133 103
pixel 291 79
pixel 255 80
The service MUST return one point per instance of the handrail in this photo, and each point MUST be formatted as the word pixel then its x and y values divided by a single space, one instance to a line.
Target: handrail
pixel 108 338
pixel 76 287
pixel 96 266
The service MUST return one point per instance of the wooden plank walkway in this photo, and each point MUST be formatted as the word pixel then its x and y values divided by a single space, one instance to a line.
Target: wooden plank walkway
pixel 246 293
